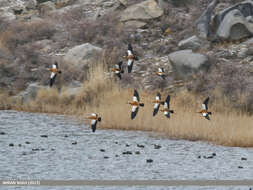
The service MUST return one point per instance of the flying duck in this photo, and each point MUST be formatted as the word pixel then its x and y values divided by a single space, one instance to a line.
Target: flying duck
pixel 204 110
pixel 94 119
pixel 135 104
pixel 166 107
pixel 117 70
pixel 54 71
pixel 161 73
pixel 130 58
pixel 157 103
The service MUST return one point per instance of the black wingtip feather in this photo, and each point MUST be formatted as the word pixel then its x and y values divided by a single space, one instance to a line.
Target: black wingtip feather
pixel 130 67
pixel 93 128
pixel 133 114
pixel 130 47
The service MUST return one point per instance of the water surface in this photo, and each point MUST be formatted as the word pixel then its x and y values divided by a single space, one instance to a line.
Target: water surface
pixel 72 151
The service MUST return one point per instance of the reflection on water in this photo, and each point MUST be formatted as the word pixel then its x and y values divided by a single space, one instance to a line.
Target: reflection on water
pixel 69 150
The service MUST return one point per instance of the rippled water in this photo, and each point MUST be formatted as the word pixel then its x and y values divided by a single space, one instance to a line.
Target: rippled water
pixel 72 151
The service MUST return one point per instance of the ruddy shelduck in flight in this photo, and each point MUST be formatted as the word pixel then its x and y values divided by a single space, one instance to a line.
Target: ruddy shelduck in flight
pixel 204 112
pixel 130 58
pixel 54 71
pixel 94 119
pixel 117 70
pixel 166 107
pixel 135 104
pixel 161 73
pixel 157 103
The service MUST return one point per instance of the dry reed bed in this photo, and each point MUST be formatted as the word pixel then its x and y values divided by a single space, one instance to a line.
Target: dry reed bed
pixel 103 95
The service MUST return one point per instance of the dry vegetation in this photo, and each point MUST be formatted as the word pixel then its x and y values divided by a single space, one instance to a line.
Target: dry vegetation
pixel 102 94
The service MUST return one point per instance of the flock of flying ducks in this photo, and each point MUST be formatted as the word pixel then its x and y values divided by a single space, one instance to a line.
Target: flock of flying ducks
pixel 135 103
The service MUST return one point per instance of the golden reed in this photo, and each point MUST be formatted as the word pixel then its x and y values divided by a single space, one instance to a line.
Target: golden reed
pixel 103 95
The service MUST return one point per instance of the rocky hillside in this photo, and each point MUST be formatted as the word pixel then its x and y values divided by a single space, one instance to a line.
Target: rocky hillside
pixel 203 45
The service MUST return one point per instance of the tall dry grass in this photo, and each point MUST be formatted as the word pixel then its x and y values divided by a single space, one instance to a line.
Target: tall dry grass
pixel 102 94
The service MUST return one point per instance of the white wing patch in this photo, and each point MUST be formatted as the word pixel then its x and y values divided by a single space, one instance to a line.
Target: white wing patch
pixel 204 114
pixel 203 106
pixel 54 66
pixel 165 105
pixel 135 99
pixel 166 113
pixel 52 75
pixel 134 108
pixel 156 106
pixel 93 114
pixel 93 122
pixel 129 62
pixel 129 52
pixel 160 70
pixel 157 98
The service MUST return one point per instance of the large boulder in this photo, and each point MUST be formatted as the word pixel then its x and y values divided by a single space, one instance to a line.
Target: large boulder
pixel 145 10
pixel 81 55
pixel 185 63
pixel 234 26
pixel 245 7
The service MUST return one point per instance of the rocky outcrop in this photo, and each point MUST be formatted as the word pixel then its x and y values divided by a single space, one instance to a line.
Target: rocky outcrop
pixel 245 7
pixel 31 4
pixel 146 10
pixel 81 55
pixel 203 23
pixel 234 26
pixel 46 7
pixel 185 63
pixel 190 43
pixel 29 93
pixel 7 15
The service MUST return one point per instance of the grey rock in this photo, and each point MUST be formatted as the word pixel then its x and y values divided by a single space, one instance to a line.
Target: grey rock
pixel 45 8
pixel 245 7
pixel 185 63
pixel 243 52
pixel 81 55
pixel 7 15
pixel 203 23
pixel 249 19
pixel 190 43
pixel 18 10
pixel 123 2
pixel 145 10
pixel 31 4
pixel 30 92
pixel 135 23
pixel 234 26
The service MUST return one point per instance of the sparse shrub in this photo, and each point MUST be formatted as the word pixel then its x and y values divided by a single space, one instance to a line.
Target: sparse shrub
pixel 19 33
pixel 232 84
